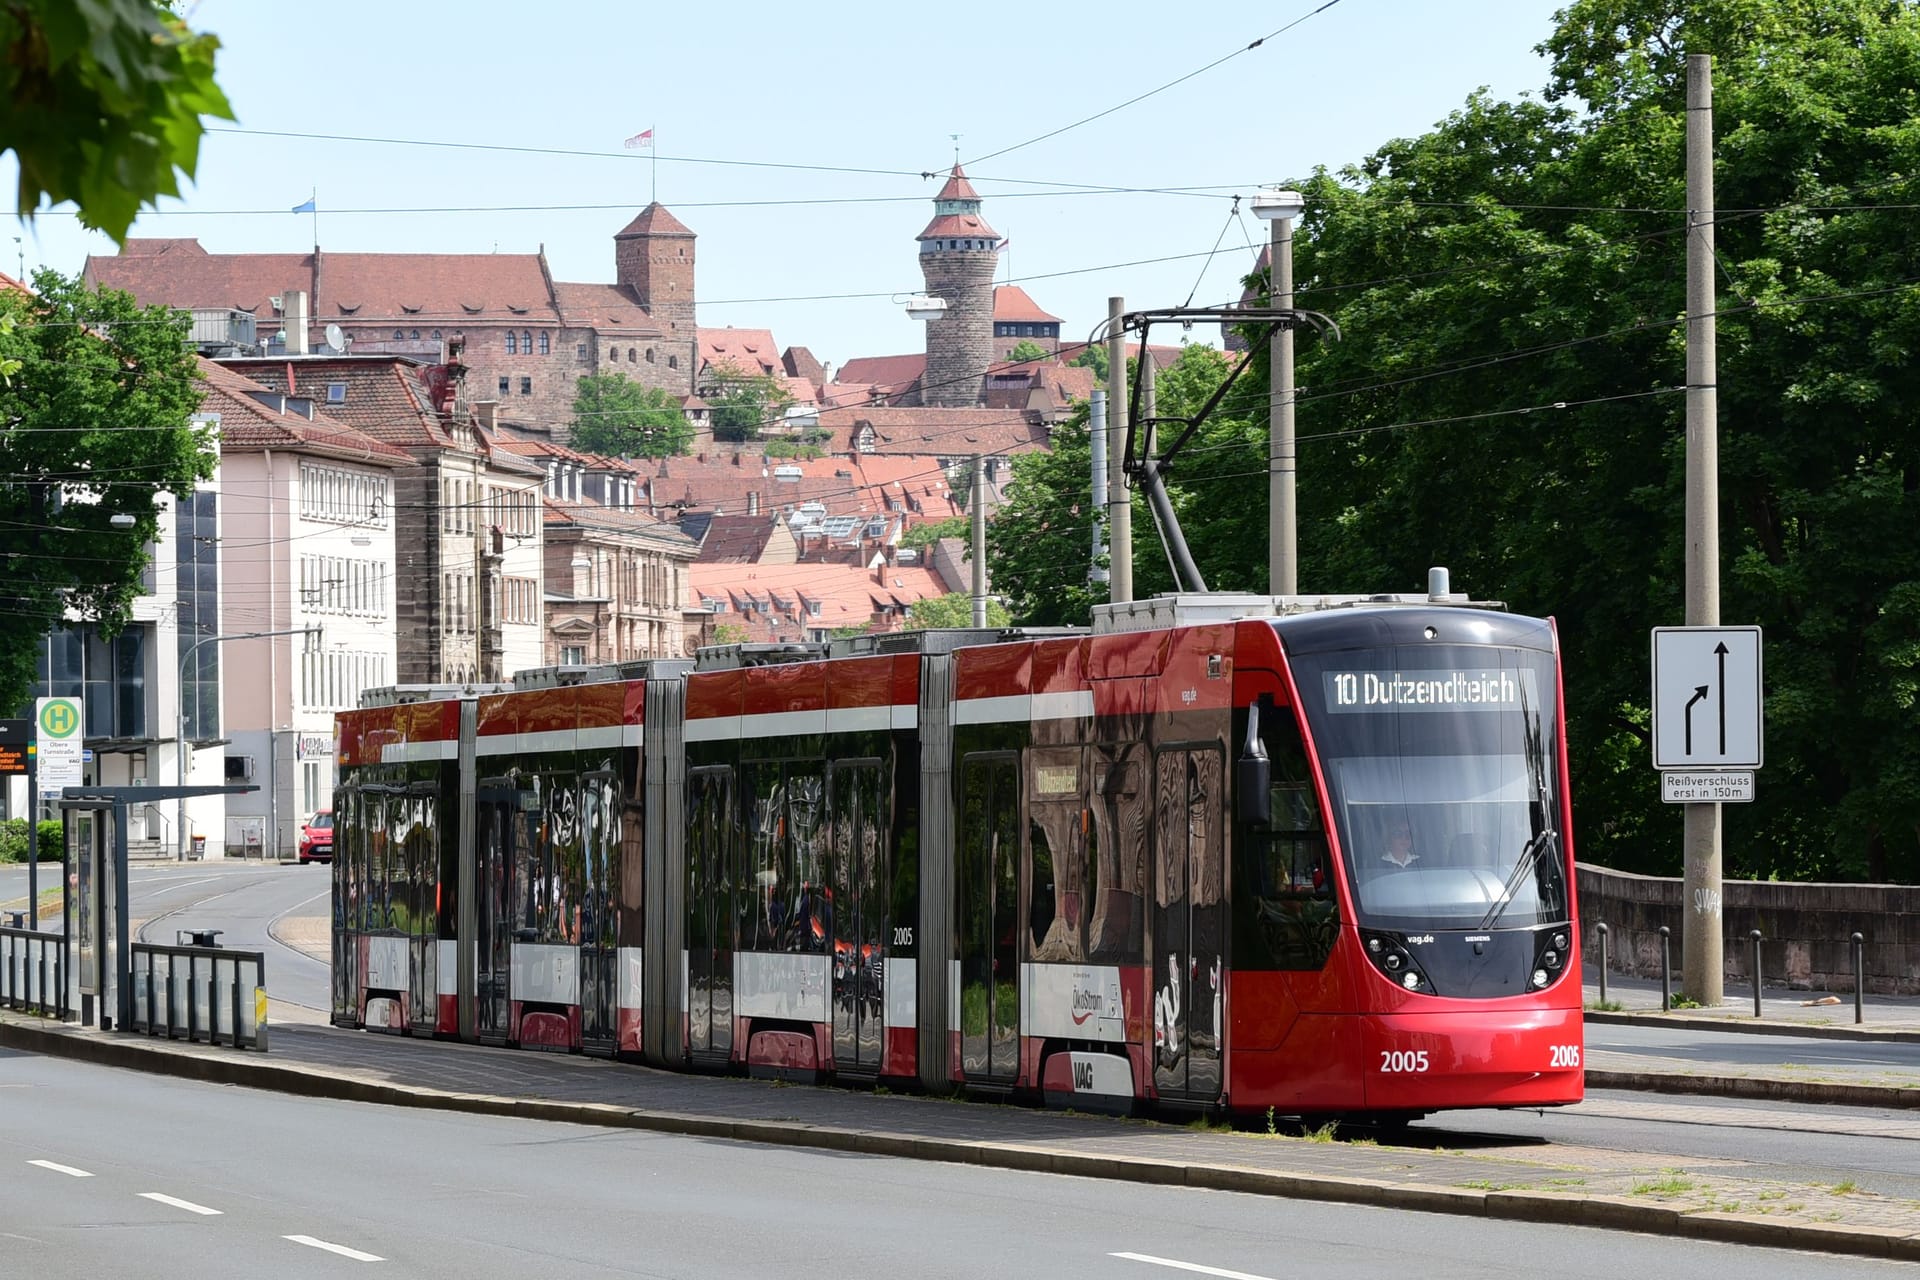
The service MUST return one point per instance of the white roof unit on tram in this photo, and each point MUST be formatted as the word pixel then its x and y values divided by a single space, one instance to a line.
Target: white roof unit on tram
pixel 561 677
pixel 393 695
pixel 1198 608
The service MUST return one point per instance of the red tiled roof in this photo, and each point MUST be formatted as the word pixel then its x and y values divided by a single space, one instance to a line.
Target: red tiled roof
pixel 445 289
pixel 247 424
pixel 957 188
pixel 610 308
pixel 800 363
pixel 591 515
pixel 386 397
pixel 946 432
pixel 133 248
pixel 654 220
pixel 888 375
pixel 847 595
pixel 958 224
pixel 736 539
pixel 748 350
pixel 1011 302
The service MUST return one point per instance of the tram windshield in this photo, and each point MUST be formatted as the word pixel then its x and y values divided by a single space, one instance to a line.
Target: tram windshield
pixel 1440 764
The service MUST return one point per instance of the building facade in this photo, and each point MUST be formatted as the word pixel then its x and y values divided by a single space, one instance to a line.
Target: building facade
pixel 958 255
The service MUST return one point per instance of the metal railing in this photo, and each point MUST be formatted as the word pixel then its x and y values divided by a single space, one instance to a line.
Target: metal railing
pixel 33 970
pixel 201 993
pixel 1857 942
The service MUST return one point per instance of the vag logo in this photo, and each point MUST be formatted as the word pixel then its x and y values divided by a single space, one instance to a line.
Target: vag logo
pixel 1083 1077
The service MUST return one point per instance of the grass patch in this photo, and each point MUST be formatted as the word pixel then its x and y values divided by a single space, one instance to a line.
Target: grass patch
pixel 1209 1124
pixel 1846 1188
pixel 1604 1006
pixel 1325 1133
pixel 1672 1184
pixel 1482 1184
pixel 1681 1000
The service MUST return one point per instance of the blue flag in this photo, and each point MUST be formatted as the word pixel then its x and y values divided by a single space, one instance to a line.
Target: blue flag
pixel 307 207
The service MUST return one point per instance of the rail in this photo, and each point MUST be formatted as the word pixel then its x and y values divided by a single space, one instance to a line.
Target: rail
pixel 200 992
pixel 33 970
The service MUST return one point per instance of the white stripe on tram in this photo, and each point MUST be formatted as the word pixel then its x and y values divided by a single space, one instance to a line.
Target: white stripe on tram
pixel 1178 1265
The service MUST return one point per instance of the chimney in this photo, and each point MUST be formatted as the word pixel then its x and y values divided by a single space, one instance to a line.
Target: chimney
pixel 487 412
pixel 296 305
pixel 753 502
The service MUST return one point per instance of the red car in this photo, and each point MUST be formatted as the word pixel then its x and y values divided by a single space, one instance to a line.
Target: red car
pixel 316 838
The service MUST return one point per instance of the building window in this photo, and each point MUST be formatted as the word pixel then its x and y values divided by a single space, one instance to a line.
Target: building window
pixel 580 352
pixel 673 362
pixel 649 355
pixel 526 386
pixel 544 349
pixel 513 343
pixel 414 334
pixel 629 355
pixel 336 393
pixel 436 335
pixel 526 342
pixel 504 384
pixel 399 335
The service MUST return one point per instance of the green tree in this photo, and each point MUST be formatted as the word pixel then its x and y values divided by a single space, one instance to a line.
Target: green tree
pixel 1092 356
pixel 615 416
pixel 96 421
pixel 101 104
pixel 925 535
pixel 744 404
pixel 1526 256
pixel 955 610
pixel 1027 351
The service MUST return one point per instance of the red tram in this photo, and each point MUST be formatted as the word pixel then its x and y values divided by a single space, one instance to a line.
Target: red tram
pixel 1312 855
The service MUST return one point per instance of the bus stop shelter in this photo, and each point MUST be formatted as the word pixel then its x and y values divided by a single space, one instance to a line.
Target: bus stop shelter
pixel 93 825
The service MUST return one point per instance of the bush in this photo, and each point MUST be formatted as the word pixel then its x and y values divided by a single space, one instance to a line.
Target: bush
pixel 13 841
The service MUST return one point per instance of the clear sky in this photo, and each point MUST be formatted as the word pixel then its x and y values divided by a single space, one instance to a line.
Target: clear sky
pixel 494 127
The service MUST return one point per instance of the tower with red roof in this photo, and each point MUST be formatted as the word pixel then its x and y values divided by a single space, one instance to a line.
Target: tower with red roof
pixel 958 255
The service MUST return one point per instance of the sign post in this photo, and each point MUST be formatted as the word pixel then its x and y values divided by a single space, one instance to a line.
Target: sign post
pixel 1707 741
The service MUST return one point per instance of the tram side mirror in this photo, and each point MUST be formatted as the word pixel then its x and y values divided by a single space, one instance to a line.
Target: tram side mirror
pixel 1253 774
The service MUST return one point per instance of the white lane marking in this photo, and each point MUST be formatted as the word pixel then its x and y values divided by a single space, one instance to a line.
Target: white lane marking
pixel 67 1169
pixel 1187 1266
pixel 188 1205
pixel 340 1249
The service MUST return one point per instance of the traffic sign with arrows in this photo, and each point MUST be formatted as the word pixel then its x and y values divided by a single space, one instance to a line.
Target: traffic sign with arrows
pixel 1706 698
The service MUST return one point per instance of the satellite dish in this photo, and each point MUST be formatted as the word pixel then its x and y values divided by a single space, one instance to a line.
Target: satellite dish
pixel 336 339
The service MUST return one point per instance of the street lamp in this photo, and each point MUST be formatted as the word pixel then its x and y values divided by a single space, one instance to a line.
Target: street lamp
pixel 1280 207
pixel 922 307
pixel 180 727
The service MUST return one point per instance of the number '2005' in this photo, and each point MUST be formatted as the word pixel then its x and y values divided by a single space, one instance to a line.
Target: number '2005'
pixel 1403 1060
pixel 1564 1055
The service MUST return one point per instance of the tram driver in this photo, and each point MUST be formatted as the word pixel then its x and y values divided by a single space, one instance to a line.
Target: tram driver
pixel 1399 850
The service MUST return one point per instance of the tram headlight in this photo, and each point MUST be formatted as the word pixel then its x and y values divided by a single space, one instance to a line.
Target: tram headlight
pixel 1392 961
pixel 1411 981
pixel 1540 977
pixel 1551 959
pixel 1559 942
pixel 1373 945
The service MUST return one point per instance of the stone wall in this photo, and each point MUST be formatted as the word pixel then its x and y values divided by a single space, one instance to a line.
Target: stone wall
pixel 1807 929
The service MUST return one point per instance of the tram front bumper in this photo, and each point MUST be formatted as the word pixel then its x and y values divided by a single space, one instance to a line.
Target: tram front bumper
pixel 1473 1058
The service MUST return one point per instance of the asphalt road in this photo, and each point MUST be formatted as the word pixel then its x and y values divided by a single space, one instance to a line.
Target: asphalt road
pixel 107 1174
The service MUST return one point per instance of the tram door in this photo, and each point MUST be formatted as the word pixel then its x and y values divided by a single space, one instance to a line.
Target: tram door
pixel 859 881
pixel 1189 926
pixel 710 914
pixel 419 844
pixel 600 847
pixel 988 892
pixel 349 873
pixel 497 806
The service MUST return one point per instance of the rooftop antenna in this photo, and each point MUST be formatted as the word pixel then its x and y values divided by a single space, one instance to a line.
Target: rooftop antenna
pixel 956 149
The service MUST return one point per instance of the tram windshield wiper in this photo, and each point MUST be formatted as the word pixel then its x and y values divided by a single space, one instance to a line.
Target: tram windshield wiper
pixel 1543 840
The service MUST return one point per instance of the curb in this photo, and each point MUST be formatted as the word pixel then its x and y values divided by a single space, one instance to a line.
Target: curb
pixel 1531 1206
pixel 1753 1026
pixel 1813 1092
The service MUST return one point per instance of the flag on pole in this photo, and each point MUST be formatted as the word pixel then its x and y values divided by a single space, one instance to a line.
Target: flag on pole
pixel 307 206
pixel 642 139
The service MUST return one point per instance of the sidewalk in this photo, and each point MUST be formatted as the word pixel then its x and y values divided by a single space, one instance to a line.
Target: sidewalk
pixel 1718 1200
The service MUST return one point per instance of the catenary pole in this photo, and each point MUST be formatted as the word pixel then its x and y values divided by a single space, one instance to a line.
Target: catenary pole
pixel 1119 510
pixel 1097 438
pixel 1702 965
pixel 979 513
pixel 1283 569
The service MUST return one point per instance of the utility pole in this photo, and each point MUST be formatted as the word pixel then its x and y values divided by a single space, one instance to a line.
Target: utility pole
pixel 979 513
pixel 1119 510
pixel 1703 968
pixel 1097 438
pixel 1283 571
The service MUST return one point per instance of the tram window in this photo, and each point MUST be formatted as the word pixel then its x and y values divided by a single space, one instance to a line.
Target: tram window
pixel 561 863
pixel 1118 860
pixel 764 909
pixel 811 914
pixel 1286 915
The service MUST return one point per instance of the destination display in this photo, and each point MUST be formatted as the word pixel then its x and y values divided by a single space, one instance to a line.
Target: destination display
pixel 1484 689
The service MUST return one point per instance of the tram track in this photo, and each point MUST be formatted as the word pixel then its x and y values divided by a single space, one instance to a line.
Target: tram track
pixel 271 928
